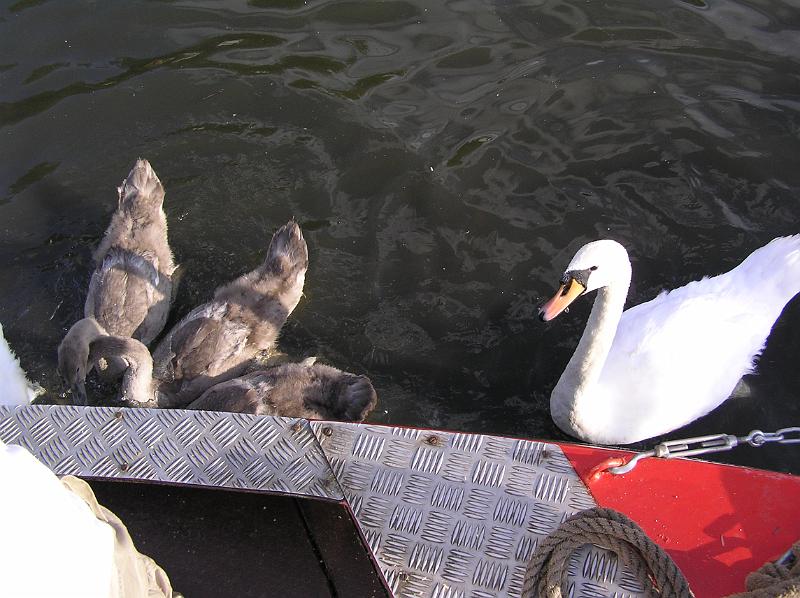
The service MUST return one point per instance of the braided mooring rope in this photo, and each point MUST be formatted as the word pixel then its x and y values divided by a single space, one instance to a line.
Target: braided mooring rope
pixel 775 580
pixel 545 576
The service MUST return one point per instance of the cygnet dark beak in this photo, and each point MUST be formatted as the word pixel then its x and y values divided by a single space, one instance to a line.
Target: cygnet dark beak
pixel 79 393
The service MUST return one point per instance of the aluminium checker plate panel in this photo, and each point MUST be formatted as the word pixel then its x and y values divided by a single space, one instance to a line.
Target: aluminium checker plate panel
pixel 222 450
pixel 450 515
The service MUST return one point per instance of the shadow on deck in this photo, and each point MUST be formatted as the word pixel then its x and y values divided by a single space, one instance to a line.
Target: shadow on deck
pixel 222 543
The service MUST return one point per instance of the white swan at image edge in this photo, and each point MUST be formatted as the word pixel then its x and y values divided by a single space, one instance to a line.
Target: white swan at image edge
pixel 14 386
pixel 664 363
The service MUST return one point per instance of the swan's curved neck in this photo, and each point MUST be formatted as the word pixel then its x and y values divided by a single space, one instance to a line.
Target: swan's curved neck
pixel 573 392
pixel 138 386
pixel 84 332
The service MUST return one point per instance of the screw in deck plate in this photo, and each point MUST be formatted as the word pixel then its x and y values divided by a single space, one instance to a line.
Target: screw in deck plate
pixel 124 467
pixel 433 440
pixel 118 415
pixel 327 431
pixel 297 426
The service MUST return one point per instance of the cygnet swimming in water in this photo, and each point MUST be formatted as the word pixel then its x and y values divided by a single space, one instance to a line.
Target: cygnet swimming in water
pixel 217 340
pixel 308 390
pixel 14 386
pixel 131 288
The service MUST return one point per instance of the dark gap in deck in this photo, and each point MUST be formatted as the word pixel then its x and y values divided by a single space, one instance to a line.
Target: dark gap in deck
pixel 214 542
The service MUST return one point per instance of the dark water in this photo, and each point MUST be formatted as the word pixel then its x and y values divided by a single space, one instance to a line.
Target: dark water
pixel 445 160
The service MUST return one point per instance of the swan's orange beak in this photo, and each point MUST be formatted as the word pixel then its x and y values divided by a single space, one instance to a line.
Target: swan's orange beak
pixel 567 293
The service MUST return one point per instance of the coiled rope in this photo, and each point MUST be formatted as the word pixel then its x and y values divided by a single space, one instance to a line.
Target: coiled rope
pixel 775 580
pixel 546 577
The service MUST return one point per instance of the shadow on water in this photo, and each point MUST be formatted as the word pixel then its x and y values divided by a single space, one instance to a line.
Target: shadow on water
pixel 444 159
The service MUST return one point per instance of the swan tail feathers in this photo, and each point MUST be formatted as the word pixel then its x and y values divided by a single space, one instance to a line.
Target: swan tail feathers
pixel 356 398
pixel 335 394
pixel 142 183
pixel 776 265
pixel 288 251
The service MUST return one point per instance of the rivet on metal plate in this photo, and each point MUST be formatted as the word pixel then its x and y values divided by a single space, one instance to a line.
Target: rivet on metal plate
pixel 327 431
pixel 118 415
pixel 433 440
pixel 124 467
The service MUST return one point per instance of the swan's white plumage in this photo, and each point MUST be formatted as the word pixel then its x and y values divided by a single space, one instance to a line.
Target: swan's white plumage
pixel 677 357
pixel 14 386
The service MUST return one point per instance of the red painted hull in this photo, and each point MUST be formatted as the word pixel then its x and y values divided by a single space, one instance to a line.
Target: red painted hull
pixel 718 522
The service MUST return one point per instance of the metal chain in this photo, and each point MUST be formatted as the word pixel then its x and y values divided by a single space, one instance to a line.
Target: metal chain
pixel 715 443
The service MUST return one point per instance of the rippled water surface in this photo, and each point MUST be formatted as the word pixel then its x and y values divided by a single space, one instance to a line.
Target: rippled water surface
pixel 445 160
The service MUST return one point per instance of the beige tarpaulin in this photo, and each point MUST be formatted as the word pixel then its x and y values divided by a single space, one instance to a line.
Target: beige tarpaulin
pixel 134 575
pixel 56 540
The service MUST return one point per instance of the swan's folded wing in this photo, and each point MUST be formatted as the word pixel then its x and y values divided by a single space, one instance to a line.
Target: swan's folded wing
pixel 164 355
pixel 680 356
pixel 705 322
pixel 240 395
pixel 202 350
pixel 125 293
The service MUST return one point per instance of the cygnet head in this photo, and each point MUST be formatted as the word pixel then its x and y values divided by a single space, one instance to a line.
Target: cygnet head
pixel 596 265
pixel 73 356
pixel 72 365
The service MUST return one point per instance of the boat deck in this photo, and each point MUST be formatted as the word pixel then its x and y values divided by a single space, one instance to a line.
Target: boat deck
pixel 233 504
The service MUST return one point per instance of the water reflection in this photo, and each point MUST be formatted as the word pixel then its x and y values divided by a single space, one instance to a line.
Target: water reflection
pixel 445 159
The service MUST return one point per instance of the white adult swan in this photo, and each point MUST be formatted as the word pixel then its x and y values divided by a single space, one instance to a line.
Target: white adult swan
pixel 664 363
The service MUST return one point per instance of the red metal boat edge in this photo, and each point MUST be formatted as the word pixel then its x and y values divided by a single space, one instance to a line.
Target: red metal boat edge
pixel 718 522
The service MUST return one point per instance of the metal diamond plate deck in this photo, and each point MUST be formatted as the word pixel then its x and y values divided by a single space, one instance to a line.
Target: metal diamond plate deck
pixel 450 515
pixel 224 450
